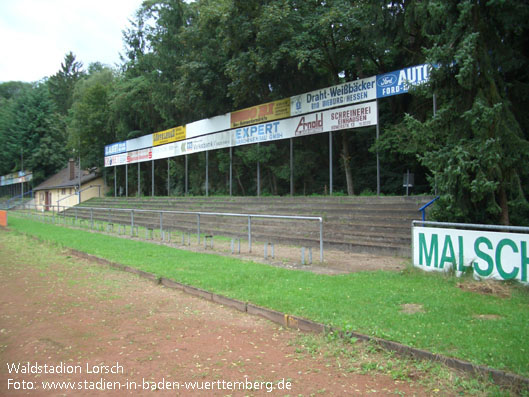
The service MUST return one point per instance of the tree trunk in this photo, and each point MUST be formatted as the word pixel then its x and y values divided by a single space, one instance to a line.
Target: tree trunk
pixel 274 184
pixel 346 159
pixel 240 184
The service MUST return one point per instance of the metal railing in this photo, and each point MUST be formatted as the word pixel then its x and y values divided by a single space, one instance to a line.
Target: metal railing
pixel 423 208
pixel 79 192
pixel 161 213
pixel 12 202
pixel 503 228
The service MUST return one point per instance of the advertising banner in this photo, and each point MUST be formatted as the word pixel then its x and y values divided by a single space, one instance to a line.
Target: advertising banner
pixel 207 126
pixel 400 81
pixel 115 148
pixel 495 255
pixel 354 116
pixel 137 156
pixel 265 132
pixel 348 117
pixel 219 140
pixel 339 95
pixel 165 151
pixel 168 136
pixel 363 90
pixel 116 159
pixel 139 143
pixel 261 113
pixel 16 177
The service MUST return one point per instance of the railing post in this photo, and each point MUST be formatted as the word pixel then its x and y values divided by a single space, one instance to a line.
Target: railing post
pixel 131 223
pixel 198 227
pixel 321 240
pixel 249 233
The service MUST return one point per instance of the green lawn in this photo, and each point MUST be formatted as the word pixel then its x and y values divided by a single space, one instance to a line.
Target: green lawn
pixel 367 302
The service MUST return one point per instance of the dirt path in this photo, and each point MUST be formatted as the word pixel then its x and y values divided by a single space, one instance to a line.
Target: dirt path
pixel 63 313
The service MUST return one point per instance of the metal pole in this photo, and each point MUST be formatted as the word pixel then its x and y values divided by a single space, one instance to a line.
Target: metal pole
pixel 79 170
pixel 378 158
pixel 22 169
pixel 434 104
pixel 168 178
pixel 258 170
pixel 152 178
pixel 249 233
pixel 330 163
pixel 321 240
pixel 207 174
pixel 407 182
pixel 126 180
pixel 198 227
pixel 138 193
pixel 186 191
pixel 115 181
pixel 132 222
pixel 291 166
pixel 231 169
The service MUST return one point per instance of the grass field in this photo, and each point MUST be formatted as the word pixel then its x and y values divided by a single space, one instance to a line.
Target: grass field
pixel 484 329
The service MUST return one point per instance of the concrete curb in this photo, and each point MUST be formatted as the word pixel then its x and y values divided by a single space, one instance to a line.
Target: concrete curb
pixel 500 377
pixel 198 292
pixel 166 282
pixel 272 315
pixel 149 276
pixel 230 302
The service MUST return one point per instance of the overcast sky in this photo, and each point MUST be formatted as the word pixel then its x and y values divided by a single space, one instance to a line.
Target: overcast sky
pixel 35 35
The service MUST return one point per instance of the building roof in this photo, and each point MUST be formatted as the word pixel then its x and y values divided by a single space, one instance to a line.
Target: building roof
pixel 62 179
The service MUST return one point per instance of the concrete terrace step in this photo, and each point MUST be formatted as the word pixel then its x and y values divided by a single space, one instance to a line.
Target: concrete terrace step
pixel 379 225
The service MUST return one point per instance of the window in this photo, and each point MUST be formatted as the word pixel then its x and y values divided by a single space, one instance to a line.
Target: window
pixel 63 192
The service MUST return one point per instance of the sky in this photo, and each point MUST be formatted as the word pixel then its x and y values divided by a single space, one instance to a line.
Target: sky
pixel 37 34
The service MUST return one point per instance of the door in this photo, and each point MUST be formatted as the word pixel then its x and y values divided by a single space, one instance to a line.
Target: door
pixel 47 200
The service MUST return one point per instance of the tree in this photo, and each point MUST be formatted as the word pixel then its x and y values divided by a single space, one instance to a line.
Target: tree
pixel 476 146
pixel 10 137
pixel 89 129
pixel 39 133
pixel 61 84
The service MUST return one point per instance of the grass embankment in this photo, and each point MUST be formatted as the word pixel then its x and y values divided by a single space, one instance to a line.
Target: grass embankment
pixel 483 329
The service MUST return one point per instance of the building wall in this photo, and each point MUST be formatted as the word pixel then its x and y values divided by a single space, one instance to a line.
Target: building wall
pixel 66 197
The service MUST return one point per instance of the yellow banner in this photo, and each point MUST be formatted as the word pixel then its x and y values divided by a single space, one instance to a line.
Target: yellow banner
pixel 261 113
pixel 170 135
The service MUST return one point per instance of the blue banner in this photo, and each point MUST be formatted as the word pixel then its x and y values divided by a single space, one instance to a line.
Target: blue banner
pixel 400 81
pixel 115 148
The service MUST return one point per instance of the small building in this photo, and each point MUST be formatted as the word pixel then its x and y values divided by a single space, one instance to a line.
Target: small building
pixel 61 190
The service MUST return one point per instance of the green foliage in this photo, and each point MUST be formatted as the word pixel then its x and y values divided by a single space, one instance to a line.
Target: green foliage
pixel 88 128
pixel 34 130
pixel 474 147
pixel 62 84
